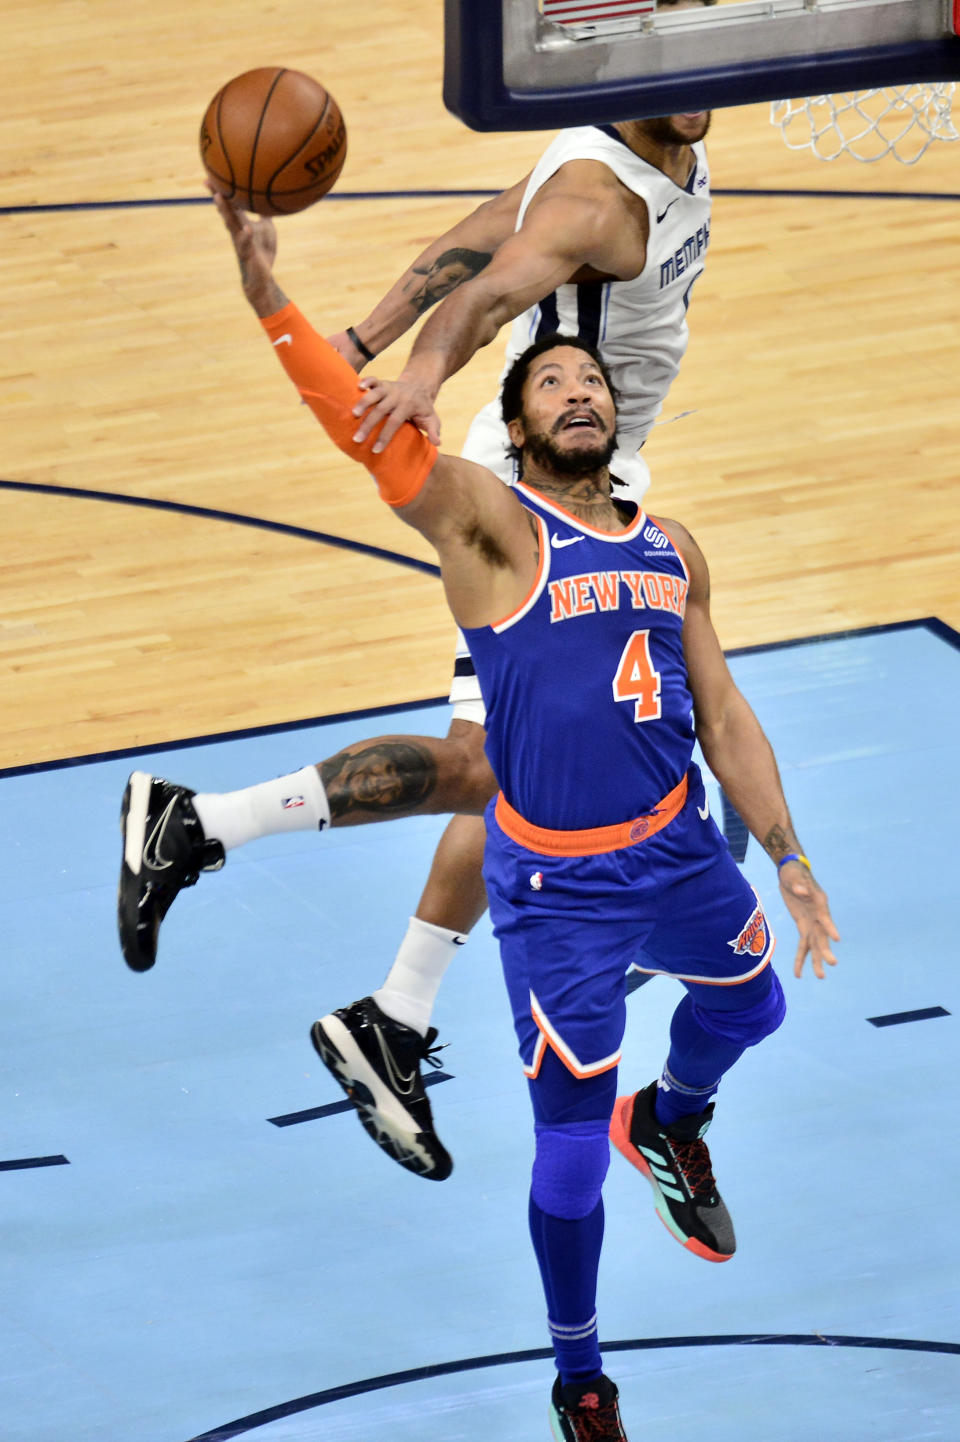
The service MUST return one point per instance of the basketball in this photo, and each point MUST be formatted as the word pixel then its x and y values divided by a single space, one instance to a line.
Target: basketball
pixel 273 140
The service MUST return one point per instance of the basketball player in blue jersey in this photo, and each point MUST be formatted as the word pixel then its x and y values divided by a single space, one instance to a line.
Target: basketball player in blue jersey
pixel 589 624
pixel 605 238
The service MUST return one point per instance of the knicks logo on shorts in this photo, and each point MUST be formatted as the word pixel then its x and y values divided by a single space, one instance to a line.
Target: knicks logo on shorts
pixel 755 936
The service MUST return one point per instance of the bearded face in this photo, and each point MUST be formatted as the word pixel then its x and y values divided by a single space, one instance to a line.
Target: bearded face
pixel 567 421
pixel 575 445
pixel 678 129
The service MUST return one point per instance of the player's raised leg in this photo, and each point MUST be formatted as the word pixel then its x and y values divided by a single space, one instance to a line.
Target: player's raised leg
pixel 171 833
pixel 734 1000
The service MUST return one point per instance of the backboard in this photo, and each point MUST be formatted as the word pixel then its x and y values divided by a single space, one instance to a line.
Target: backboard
pixel 544 64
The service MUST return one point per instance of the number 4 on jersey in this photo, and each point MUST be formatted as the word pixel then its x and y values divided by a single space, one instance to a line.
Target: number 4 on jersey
pixel 636 680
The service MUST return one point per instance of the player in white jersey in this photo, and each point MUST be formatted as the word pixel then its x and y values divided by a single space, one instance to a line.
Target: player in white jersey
pixel 609 232
pixel 640 324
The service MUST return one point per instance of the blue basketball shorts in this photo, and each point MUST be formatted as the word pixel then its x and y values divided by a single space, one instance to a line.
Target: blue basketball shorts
pixel 570 927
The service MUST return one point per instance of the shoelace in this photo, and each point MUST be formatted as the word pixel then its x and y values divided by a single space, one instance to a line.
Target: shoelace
pixel 431 1052
pixel 601 1424
pixel 693 1160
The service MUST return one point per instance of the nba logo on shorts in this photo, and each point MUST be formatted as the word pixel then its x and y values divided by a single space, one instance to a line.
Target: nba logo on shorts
pixel 754 938
pixel 290 802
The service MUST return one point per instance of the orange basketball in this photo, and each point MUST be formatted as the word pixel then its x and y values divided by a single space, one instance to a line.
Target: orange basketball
pixel 273 140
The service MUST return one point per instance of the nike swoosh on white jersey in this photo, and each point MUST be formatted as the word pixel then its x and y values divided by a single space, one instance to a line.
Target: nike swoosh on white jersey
pixel 286 339
pixel 570 541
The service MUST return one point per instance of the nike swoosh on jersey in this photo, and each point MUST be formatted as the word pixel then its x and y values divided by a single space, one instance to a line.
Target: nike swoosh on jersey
pixel 662 213
pixel 570 541
pixel 704 811
pixel 286 339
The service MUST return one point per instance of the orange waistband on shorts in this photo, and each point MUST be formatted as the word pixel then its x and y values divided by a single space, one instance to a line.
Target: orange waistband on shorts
pixel 595 839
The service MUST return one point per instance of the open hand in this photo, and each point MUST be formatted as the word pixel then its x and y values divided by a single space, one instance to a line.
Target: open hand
pixel 393 402
pixel 808 905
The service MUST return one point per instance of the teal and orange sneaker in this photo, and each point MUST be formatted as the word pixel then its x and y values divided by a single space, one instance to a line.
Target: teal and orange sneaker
pixel 676 1163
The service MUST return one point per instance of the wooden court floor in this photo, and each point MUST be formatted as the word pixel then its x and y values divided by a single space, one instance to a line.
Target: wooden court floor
pixel 810 442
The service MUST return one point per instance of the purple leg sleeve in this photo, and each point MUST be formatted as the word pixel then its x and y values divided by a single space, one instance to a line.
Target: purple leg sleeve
pixel 569 1167
pixel 705 1043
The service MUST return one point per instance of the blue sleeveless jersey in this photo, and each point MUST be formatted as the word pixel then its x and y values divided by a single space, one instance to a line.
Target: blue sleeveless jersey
pixel 589 716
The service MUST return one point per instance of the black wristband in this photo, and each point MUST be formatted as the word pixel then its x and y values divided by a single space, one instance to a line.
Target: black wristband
pixel 364 350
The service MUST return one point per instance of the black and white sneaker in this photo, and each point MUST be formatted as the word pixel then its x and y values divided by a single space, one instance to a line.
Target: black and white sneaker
pixel 377 1062
pixel 676 1163
pixel 164 850
pixel 586 1412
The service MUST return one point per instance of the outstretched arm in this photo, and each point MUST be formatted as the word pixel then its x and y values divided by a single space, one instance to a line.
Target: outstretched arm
pixel 449 261
pixel 481 532
pixel 740 756
pixel 324 379
pixel 582 221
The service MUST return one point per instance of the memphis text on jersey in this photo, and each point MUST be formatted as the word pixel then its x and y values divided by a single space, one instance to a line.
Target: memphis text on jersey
pixel 685 255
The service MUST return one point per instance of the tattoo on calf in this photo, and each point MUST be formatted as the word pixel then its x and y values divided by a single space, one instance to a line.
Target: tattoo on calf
pixel 386 777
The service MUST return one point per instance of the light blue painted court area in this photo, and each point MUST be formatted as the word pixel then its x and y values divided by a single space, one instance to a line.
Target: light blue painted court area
pixel 194 1270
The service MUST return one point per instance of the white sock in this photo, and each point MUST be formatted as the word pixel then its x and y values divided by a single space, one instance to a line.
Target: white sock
pixel 412 983
pixel 296 802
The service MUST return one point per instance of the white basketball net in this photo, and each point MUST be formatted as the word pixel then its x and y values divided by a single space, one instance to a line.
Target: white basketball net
pixel 868 124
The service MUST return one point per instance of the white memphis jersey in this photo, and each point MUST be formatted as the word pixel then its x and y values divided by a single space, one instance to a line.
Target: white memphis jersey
pixel 640 325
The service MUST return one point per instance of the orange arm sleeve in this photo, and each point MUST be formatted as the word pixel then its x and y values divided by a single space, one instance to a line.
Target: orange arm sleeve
pixel 329 386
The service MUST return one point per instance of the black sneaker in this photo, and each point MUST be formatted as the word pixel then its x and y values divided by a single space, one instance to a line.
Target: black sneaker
pixel 164 850
pixel 676 1163
pixel 377 1062
pixel 586 1412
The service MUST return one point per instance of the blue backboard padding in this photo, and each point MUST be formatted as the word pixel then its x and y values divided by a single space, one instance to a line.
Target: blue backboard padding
pixel 475 91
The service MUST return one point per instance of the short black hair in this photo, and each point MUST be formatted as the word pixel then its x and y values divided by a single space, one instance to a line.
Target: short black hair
pixel 473 260
pixel 511 394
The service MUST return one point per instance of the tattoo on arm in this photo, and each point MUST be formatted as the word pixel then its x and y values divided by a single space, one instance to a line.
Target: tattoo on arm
pixel 430 283
pixel 385 778
pixel 267 298
pixel 779 841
